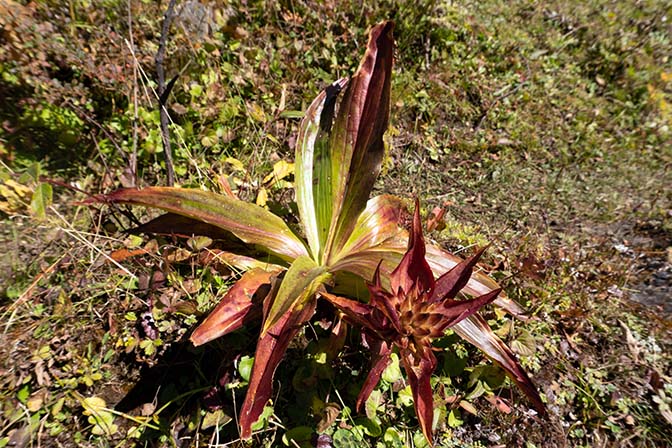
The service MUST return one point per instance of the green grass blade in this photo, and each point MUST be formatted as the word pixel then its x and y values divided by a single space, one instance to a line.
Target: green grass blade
pixel 42 197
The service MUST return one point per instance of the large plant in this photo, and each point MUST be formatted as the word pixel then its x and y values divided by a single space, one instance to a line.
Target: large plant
pixel 338 157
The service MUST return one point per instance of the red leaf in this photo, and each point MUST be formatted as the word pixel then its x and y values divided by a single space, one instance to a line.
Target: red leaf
pixel 377 226
pixel 356 141
pixel 123 254
pixel 436 220
pixel 419 372
pixel 240 304
pixel 442 261
pixel 173 224
pixel 458 310
pixel 413 271
pixel 476 330
pixel 383 301
pixel 452 282
pixel 248 222
pixel 381 358
pixel 357 313
pixel 270 349
pixel 499 403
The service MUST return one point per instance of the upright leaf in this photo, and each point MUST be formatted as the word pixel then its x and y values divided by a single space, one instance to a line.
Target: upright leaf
pixel 313 168
pixel 249 222
pixel 413 270
pixel 356 141
pixel 41 199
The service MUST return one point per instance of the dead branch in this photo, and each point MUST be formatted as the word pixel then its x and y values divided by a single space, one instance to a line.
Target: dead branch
pixel 163 91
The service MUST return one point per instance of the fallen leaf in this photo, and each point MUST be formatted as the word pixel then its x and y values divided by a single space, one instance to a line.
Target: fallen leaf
pixel 435 221
pixel 281 169
pixel 329 414
pixel 499 403
pixel 470 408
pixel 633 344
pixel 124 254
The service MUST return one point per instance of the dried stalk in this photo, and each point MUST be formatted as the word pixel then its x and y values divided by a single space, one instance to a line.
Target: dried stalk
pixel 163 91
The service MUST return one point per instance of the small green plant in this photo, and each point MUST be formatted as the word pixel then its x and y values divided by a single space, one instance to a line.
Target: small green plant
pixel 338 158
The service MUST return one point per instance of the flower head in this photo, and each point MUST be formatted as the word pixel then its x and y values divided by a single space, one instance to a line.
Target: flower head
pixel 415 311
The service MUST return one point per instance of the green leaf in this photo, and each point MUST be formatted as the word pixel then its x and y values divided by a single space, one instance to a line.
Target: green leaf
pixel 292 114
pixel 492 376
pixel 405 397
pixel 313 168
pixel 263 418
pixel 480 387
pixel 298 287
pixel 371 427
pixel 215 418
pixel 453 364
pixel 281 169
pixel 57 407
pixel 524 344
pixel 454 420
pixel 320 358
pixel 419 440
pixel 23 393
pixel 148 346
pixel 34 171
pixel 249 222
pixel 245 367
pixel 392 373
pixel 345 438
pixel 198 243
pixel 42 197
pixel 392 438
pixel 372 404
pixel 99 416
